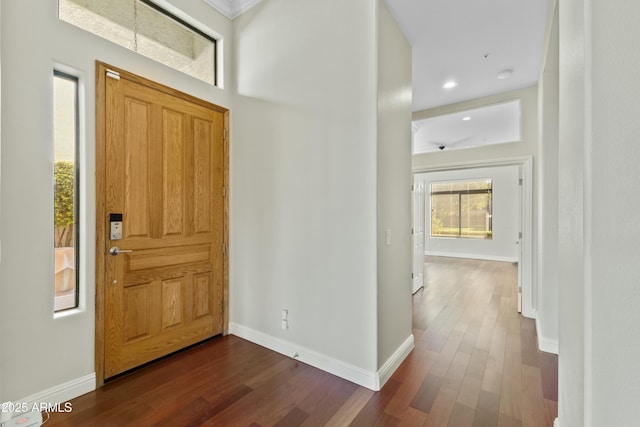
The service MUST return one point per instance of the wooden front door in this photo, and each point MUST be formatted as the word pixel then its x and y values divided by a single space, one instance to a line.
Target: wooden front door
pixel 163 282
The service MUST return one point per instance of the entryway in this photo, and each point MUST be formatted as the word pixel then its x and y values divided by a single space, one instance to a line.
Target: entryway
pixel 161 263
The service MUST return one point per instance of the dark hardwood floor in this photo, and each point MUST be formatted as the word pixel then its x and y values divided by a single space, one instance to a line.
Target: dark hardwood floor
pixel 475 363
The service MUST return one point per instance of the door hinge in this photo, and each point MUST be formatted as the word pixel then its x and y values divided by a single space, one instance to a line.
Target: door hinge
pixel 519 181
pixel 224 191
pixel 224 248
pixel 520 235
pixel 413 275
pixel 225 133
pixel 113 74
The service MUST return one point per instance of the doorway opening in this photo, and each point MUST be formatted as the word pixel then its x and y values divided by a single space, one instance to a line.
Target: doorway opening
pixel 518 236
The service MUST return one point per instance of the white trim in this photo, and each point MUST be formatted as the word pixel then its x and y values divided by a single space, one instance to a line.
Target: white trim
pixel 58 394
pixel 368 379
pixel 232 8
pixel 526 162
pixel 470 256
pixel 4 414
pixel 169 7
pixel 556 423
pixel 545 344
pixel 390 366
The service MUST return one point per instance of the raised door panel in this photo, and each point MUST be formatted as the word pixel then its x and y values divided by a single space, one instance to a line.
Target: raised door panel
pixel 167 172
pixel 203 176
pixel 137 302
pixel 174 183
pixel 173 302
pixel 202 295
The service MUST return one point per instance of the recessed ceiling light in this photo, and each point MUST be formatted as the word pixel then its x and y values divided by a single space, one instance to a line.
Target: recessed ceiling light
pixel 505 74
pixel 466 119
pixel 449 85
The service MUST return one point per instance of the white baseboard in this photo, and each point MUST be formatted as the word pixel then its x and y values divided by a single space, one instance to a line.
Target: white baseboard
pixel 59 394
pixel 545 344
pixel 390 366
pixel 368 379
pixel 471 256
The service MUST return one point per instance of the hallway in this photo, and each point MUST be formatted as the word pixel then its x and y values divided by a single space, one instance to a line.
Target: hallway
pixel 476 360
pixel 475 363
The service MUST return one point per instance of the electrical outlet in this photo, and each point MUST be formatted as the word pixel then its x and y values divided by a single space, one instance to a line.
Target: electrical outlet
pixel 28 419
pixel 285 319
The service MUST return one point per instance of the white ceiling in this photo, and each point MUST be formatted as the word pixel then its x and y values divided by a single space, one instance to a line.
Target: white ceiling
pixel 231 8
pixel 468 41
pixel 450 39
pixel 490 125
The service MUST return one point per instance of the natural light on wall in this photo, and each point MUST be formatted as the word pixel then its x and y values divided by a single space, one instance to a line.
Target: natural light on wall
pixel 65 113
pixel 143 27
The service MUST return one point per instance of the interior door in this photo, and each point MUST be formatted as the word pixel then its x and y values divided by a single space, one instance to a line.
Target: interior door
pixel 418 235
pixel 164 178
pixel 519 244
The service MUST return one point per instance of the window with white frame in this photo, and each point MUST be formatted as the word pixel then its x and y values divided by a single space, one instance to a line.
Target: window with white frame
pixel 66 180
pixel 462 209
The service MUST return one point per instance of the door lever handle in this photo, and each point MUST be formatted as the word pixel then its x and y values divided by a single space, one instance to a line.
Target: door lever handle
pixel 117 251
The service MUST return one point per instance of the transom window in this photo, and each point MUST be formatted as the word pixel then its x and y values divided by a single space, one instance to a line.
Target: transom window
pixel 462 209
pixel 144 27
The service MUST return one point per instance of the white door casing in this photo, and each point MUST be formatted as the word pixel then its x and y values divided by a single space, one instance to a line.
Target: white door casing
pixel 525 266
pixel 418 221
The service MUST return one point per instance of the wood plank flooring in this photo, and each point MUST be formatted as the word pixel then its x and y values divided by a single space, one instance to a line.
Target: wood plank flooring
pixel 475 363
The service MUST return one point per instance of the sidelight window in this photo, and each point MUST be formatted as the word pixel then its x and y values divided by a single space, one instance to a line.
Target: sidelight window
pixel 462 209
pixel 65 171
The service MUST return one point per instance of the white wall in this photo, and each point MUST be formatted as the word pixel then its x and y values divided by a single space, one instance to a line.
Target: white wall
pixel 2 341
pixel 394 184
pixel 549 91
pixel 39 352
pixel 303 187
pixel 613 205
pixel 320 156
pixel 571 211
pixel 599 232
pixel 505 213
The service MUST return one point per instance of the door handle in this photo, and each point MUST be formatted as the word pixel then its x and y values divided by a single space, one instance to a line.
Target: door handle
pixel 117 251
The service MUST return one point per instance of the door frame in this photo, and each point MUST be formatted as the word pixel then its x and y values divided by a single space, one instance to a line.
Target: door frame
pixel 101 214
pixel 525 267
pixel 418 216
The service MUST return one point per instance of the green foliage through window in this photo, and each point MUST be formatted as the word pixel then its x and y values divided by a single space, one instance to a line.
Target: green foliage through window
pixel 65 190
pixel 64 210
